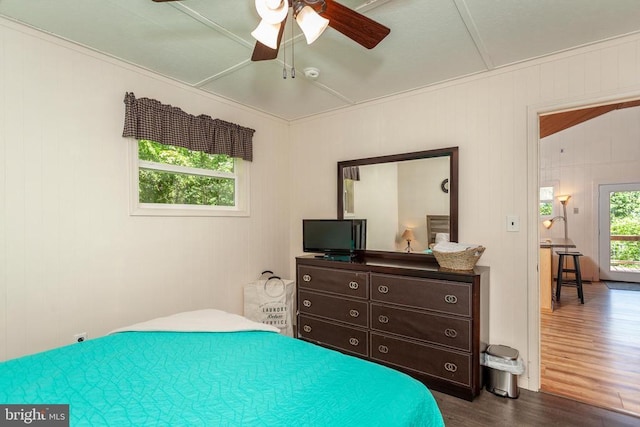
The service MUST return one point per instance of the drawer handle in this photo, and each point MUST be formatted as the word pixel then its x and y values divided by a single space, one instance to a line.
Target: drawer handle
pixel 354 285
pixel 306 278
pixel 383 289
pixel 306 303
pixel 450 299
pixel 451 333
pixel 451 367
pixel 383 349
pixel 306 328
pixel 354 341
pixel 383 319
pixel 354 313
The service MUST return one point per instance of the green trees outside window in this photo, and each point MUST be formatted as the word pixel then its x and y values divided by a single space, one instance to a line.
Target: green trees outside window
pixel 176 175
pixel 546 201
pixel 625 221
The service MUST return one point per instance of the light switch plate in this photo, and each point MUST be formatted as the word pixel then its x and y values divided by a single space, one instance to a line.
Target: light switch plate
pixel 513 223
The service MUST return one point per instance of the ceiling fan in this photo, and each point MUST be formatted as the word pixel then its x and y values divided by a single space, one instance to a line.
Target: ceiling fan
pixel 313 16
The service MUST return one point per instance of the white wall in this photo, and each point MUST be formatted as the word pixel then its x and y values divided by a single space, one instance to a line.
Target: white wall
pixel 604 150
pixel 491 118
pixel 71 258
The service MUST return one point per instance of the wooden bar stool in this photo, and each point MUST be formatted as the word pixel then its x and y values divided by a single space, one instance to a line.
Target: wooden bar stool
pixel 563 279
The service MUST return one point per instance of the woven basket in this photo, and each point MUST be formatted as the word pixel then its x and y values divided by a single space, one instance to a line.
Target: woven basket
pixel 463 260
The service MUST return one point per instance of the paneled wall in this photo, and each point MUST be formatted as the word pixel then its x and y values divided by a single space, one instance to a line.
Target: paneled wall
pixel 492 118
pixel 604 150
pixel 71 258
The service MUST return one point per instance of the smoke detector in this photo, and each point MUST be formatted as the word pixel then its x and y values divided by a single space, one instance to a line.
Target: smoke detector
pixel 311 73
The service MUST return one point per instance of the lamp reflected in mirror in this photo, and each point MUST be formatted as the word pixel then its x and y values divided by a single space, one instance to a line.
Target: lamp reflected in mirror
pixel 408 236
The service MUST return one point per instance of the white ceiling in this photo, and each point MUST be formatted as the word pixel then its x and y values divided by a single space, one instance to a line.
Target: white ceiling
pixel 207 43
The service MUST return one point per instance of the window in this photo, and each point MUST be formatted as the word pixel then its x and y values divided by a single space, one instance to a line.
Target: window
pixel 349 195
pixel 546 201
pixel 175 181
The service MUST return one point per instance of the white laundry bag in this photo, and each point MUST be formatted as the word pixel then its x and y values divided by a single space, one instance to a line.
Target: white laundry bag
pixel 270 301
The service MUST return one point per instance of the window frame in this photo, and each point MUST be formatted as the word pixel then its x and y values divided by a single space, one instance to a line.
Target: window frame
pixel 136 208
pixel 552 201
pixel 349 198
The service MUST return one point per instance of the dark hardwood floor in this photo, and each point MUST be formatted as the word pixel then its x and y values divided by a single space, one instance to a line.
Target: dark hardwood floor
pixel 530 409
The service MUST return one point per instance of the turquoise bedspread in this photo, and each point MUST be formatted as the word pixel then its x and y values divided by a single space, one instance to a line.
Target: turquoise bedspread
pixel 215 379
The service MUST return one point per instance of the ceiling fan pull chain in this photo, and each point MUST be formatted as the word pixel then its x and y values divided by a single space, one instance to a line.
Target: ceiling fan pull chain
pixel 284 59
pixel 293 58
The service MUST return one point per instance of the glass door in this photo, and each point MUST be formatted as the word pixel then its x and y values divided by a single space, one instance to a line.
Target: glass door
pixel 619 236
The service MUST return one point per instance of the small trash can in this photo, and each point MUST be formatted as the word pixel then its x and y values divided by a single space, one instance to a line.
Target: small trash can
pixel 502 369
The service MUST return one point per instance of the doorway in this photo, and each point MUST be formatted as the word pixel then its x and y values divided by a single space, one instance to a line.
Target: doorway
pixel 586 350
pixel 619 237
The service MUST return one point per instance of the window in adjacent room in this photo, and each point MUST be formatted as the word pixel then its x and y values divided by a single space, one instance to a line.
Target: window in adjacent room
pixel 175 181
pixel 546 201
pixel 350 174
pixel 349 203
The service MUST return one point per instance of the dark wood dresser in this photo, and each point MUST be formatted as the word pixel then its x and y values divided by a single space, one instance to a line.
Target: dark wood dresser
pixel 415 317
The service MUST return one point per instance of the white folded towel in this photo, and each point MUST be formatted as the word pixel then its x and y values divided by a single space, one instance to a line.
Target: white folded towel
pixel 453 247
pixel 442 237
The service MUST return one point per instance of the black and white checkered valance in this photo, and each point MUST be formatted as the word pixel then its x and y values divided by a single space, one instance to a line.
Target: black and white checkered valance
pixel 149 119
pixel 351 172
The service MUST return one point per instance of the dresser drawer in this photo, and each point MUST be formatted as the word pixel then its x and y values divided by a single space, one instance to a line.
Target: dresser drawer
pixel 333 335
pixel 446 364
pixel 341 282
pixel 450 331
pixel 431 294
pixel 355 312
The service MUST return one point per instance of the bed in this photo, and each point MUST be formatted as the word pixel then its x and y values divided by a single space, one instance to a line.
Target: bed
pixel 211 368
pixel 437 224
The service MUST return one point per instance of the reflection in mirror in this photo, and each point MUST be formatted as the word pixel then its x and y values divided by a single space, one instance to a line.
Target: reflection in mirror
pixel 412 191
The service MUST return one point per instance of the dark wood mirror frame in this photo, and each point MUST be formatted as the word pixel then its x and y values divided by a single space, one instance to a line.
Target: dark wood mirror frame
pixel 451 152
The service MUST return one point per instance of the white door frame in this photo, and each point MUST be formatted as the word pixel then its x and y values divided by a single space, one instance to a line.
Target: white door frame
pixel 533 235
pixel 604 226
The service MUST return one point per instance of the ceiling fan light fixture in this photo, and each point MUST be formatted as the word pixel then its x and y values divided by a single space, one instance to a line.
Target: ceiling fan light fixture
pixel 311 23
pixel 267 34
pixel 272 11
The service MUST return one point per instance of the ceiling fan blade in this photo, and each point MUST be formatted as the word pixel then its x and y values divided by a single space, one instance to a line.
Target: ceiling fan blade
pixel 263 52
pixel 354 25
pixel 161 1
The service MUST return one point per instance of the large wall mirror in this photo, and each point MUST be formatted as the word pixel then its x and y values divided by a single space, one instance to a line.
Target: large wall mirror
pixel 412 191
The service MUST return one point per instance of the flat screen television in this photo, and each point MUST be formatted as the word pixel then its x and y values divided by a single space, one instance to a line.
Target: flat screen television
pixel 334 237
